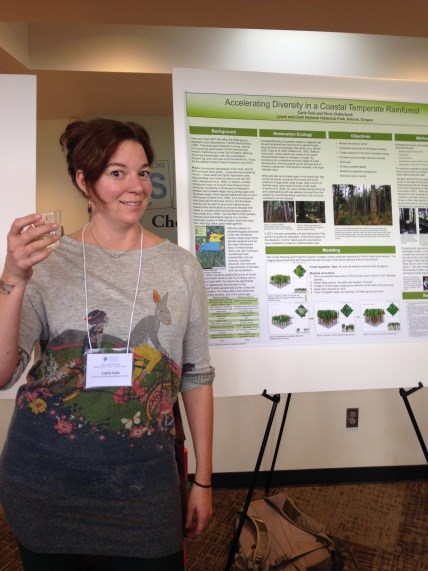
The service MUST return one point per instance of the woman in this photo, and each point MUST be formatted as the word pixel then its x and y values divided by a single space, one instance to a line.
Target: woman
pixel 121 317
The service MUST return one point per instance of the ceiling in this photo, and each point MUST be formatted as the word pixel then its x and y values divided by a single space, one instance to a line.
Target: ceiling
pixel 392 17
pixel 115 58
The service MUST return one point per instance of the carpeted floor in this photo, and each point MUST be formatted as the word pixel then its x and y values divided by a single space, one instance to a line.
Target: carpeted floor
pixel 385 525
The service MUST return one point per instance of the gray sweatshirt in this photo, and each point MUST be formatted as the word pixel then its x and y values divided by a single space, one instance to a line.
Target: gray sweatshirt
pixel 95 468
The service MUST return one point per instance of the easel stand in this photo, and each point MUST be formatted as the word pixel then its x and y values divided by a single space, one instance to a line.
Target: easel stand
pixel 405 394
pixel 275 401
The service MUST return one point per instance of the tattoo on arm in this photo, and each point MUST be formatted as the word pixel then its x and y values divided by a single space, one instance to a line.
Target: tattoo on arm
pixel 21 355
pixel 5 289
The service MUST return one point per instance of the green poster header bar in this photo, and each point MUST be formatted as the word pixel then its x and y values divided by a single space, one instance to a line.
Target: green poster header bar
pixel 417 138
pixel 306 109
pixel 223 131
pixel 415 295
pixel 293 134
pixel 356 136
pixel 329 250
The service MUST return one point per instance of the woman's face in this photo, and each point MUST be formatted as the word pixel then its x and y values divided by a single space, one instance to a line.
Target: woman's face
pixel 124 188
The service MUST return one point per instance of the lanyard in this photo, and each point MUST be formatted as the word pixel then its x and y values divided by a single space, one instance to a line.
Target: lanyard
pixel 86 286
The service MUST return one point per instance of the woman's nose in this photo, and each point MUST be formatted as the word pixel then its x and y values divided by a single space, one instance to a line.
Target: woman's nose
pixel 138 184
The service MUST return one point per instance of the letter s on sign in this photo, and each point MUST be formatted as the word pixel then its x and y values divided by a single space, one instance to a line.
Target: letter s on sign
pixel 159 189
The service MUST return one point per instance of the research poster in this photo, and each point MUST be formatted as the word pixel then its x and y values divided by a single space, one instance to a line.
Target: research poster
pixel 310 217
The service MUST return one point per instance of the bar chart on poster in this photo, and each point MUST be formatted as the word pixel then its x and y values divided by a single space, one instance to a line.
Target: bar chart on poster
pixel 308 211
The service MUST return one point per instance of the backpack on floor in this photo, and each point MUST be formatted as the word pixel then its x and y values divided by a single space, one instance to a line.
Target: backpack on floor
pixel 277 535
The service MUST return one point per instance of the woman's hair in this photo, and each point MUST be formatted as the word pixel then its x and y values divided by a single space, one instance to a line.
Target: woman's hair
pixel 89 145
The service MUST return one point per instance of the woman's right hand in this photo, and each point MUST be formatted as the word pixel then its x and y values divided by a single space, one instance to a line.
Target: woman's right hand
pixel 25 248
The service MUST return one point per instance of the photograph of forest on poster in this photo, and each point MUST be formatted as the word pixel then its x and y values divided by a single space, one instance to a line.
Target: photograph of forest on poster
pixel 362 204
pixel 423 220
pixel 407 220
pixel 278 211
pixel 310 212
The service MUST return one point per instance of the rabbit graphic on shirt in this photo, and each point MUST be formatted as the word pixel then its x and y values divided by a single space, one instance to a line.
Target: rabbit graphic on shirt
pixel 148 327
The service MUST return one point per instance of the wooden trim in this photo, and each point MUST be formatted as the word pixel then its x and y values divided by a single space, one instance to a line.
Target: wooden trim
pixel 322 476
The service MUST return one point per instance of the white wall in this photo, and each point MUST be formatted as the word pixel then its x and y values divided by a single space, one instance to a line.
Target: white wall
pixel 315 435
pixel 17 150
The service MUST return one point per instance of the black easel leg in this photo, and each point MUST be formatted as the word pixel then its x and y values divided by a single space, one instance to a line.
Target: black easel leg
pixel 275 400
pixel 278 442
pixel 405 394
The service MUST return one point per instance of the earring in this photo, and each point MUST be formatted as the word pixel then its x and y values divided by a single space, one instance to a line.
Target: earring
pixel 89 207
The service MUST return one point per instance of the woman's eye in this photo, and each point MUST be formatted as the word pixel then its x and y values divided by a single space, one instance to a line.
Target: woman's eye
pixel 116 174
pixel 145 174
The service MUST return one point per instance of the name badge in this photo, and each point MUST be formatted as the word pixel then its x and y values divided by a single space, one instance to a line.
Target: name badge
pixel 108 370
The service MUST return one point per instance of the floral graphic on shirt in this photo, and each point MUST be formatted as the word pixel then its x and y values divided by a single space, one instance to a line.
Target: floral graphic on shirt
pixel 64 426
pixel 38 405
pixel 55 384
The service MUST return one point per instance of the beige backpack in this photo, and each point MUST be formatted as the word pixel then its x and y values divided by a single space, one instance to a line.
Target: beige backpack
pixel 277 535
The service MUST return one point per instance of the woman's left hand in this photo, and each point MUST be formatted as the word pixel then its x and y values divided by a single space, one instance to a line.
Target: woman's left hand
pixel 199 511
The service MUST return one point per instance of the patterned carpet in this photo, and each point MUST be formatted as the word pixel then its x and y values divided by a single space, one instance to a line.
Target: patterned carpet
pixel 385 525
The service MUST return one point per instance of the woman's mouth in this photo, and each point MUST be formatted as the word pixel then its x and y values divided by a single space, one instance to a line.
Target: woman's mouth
pixel 131 203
